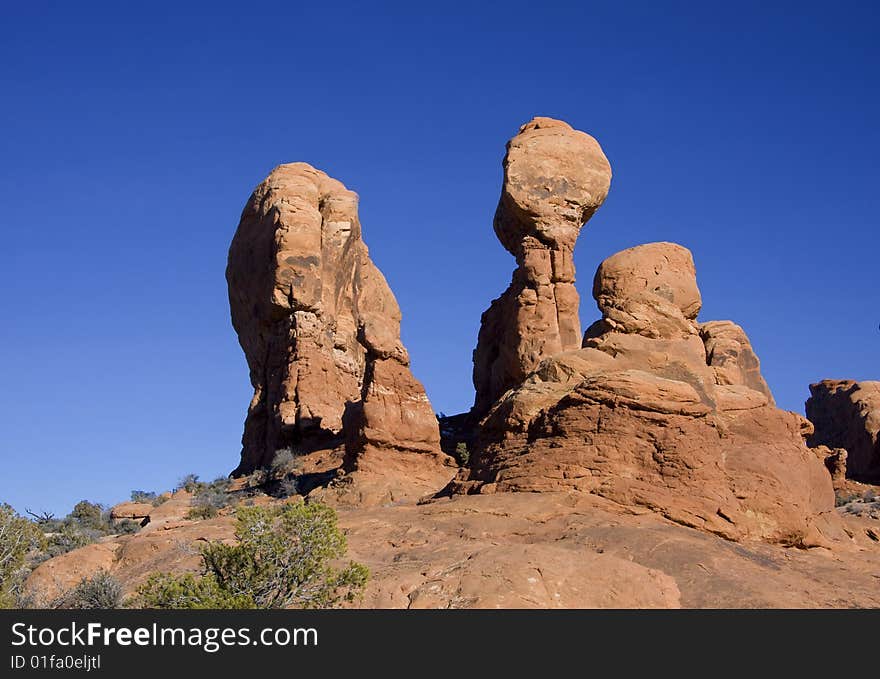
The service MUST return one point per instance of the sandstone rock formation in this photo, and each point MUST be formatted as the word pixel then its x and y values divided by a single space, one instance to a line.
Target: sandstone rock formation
pixel 846 414
pixel 321 332
pixel 555 178
pixel 131 511
pixel 525 550
pixel 834 460
pixel 660 412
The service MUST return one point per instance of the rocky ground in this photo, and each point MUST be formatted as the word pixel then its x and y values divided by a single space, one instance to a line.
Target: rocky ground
pixel 531 550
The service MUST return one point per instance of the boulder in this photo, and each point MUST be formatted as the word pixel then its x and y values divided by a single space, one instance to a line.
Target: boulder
pixel 846 414
pixel 136 511
pixel 730 354
pixel 555 178
pixel 320 329
pixel 55 577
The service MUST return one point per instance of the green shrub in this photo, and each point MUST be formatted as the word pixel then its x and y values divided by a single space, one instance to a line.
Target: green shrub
pixel 18 537
pixel 88 515
pixel 462 453
pixel 167 590
pixel 68 537
pixel 201 512
pixel 126 527
pixel 101 591
pixel 283 559
pixel 144 496
pixel 86 523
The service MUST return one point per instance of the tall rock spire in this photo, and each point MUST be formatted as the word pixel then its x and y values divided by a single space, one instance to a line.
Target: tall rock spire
pixel 555 178
pixel 321 332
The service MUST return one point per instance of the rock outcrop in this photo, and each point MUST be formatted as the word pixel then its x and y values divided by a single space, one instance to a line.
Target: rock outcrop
pixel 555 178
pixel 846 414
pixel 522 550
pixel 834 460
pixel 321 332
pixel 659 412
pixel 133 511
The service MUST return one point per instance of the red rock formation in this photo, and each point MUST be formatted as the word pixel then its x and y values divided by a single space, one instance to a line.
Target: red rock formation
pixel 657 411
pixel 846 414
pixel 321 332
pixel 555 178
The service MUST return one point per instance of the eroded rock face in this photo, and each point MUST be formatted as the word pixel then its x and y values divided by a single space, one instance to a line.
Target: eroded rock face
pixel 846 414
pixel 321 331
pixel 660 412
pixel 555 178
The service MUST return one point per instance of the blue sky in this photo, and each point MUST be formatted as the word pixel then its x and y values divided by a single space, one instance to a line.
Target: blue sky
pixel 132 137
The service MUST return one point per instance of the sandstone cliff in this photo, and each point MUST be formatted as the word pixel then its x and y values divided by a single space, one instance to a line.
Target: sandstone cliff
pixel 846 414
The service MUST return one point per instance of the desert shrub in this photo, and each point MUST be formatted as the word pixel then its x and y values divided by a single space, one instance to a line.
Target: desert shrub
pixel 68 537
pixel 126 527
pixel 86 523
pixel 462 453
pixel 189 591
pixel 257 478
pixel 283 558
pixel 283 462
pixel 285 488
pixel 210 498
pixel 200 512
pixel 282 474
pixel 145 496
pixel 18 537
pixel 101 591
pixel 189 483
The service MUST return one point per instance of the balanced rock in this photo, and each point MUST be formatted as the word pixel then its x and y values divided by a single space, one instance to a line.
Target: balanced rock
pixel 321 332
pixel 846 414
pixel 555 178
pixel 659 412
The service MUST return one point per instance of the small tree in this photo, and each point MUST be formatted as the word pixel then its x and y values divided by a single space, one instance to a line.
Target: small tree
pixel 18 536
pixel 189 483
pixel 283 559
pixel 88 515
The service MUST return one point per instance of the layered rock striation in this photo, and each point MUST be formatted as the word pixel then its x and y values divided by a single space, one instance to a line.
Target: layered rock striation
pixel 321 332
pixel 555 178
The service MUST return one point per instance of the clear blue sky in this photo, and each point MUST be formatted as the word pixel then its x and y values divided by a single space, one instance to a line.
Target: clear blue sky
pixel 132 137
